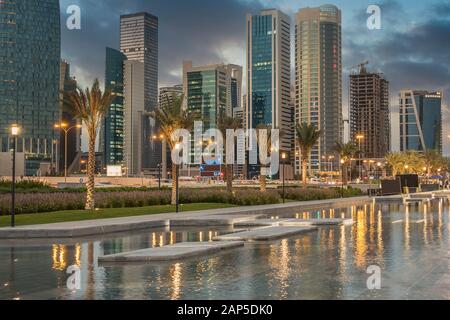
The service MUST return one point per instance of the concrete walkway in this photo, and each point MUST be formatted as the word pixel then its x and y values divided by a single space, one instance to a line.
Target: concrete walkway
pixel 197 218
pixel 265 234
pixel 177 251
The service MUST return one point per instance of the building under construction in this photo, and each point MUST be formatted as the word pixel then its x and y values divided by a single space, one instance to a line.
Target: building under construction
pixel 369 112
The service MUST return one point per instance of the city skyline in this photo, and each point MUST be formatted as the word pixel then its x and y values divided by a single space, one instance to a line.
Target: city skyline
pixel 416 61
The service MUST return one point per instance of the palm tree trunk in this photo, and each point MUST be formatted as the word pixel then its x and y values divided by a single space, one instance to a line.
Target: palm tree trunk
pixel 90 202
pixel 304 172
pixel 229 174
pixel 174 184
pixel 344 174
pixel 262 181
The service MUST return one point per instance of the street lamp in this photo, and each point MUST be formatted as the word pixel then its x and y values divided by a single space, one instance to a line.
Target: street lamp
pixel 177 197
pixel 342 177
pixel 360 137
pixel 15 131
pixel 163 165
pixel 65 127
pixel 283 158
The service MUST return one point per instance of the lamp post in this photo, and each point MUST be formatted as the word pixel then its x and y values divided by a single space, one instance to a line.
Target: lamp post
pixel 159 175
pixel 177 197
pixel 15 130
pixel 342 177
pixel 283 158
pixel 163 169
pixel 65 127
pixel 360 137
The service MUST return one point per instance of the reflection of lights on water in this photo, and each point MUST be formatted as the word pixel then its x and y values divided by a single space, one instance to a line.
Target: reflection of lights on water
pixel 210 235
pixel 361 241
pixel 153 239
pixel 6 284
pixel 200 236
pixel 78 254
pixel 176 274
pixel 171 237
pixel 380 233
pixel 161 240
pixel 59 257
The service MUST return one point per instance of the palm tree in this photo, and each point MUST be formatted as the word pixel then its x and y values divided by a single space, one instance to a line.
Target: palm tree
pixel 307 137
pixel 90 106
pixel 396 161
pixel 346 152
pixel 172 116
pixel 224 123
pixel 262 175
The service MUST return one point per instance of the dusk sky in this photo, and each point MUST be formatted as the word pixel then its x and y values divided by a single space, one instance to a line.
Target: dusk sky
pixel 412 49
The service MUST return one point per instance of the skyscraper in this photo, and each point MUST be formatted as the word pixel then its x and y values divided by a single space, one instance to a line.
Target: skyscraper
pixel 67 84
pixel 420 120
pixel 134 120
pixel 269 74
pixel 139 42
pixel 369 112
pixel 166 94
pixel 112 133
pixel 318 78
pixel 30 56
pixel 212 90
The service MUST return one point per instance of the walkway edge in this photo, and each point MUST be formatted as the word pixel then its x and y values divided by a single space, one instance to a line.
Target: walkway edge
pixel 104 226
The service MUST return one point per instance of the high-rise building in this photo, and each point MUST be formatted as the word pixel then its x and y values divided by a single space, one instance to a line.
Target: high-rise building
pixel 112 132
pixel 67 84
pixel 369 112
pixel 269 74
pixel 139 42
pixel 134 119
pixel 30 56
pixel 212 90
pixel 420 120
pixel 318 78
pixel 166 94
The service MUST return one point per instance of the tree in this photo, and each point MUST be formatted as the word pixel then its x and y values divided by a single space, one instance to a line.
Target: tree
pixel 224 123
pixel 262 175
pixel 396 161
pixel 171 117
pixel 307 136
pixel 90 106
pixel 346 152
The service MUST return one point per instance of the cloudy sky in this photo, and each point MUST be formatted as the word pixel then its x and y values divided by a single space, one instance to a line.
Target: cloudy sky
pixel 412 48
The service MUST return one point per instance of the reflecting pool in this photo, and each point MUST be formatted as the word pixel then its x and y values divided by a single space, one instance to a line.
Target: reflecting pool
pixel 409 244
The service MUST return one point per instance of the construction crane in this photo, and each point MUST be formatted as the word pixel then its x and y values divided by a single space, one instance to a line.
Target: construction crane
pixel 359 67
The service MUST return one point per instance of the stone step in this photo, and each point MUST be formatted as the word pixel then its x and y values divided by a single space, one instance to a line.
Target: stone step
pixel 265 233
pixel 213 220
pixel 177 251
pixel 295 222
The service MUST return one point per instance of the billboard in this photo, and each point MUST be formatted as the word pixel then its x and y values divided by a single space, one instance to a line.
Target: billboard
pixel 114 171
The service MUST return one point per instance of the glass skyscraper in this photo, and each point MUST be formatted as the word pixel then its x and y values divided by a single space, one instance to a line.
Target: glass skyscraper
pixel 139 42
pixel 30 54
pixel 268 74
pixel 318 78
pixel 112 138
pixel 420 121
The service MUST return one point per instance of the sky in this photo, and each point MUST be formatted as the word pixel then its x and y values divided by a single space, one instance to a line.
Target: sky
pixel 412 48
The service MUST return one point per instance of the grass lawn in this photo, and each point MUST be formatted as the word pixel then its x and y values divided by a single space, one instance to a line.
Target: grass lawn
pixel 80 215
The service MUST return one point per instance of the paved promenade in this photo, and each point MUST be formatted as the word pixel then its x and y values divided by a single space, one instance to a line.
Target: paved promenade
pixel 218 217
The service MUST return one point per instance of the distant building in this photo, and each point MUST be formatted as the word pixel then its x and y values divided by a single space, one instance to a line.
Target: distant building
pixel 139 42
pixel 369 112
pixel 30 56
pixel 269 75
pixel 318 79
pixel 420 120
pixel 134 119
pixel 112 133
pixel 67 84
pixel 166 94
